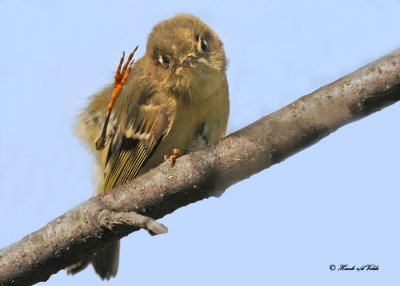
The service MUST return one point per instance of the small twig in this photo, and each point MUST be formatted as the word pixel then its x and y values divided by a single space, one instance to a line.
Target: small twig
pixel 112 220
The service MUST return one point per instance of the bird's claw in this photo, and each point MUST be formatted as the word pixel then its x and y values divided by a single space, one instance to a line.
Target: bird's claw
pixel 176 153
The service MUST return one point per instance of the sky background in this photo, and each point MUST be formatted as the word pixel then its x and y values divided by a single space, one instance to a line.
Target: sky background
pixel 333 203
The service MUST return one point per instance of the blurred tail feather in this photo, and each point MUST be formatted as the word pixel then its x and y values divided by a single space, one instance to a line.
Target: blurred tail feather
pixel 105 262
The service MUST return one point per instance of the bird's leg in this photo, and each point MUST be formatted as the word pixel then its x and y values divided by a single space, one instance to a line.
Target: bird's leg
pixel 176 153
pixel 121 76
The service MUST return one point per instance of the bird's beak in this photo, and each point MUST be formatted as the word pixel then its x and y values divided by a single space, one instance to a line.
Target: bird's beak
pixel 189 61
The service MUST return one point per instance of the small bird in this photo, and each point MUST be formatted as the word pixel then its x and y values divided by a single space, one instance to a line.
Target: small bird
pixel 176 97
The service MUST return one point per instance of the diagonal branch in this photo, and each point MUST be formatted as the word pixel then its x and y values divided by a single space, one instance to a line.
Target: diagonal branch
pixel 88 227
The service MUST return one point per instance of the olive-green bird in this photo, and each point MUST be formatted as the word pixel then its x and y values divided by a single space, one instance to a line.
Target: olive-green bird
pixel 176 97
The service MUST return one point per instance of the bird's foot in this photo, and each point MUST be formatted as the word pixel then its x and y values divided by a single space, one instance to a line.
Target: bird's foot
pixel 176 153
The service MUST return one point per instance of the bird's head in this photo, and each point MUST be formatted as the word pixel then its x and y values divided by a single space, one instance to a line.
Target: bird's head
pixel 185 55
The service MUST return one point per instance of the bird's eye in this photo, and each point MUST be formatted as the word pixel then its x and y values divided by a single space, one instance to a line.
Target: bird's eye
pixel 204 45
pixel 164 61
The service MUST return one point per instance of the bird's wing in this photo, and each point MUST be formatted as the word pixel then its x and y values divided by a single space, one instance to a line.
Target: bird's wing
pixel 133 144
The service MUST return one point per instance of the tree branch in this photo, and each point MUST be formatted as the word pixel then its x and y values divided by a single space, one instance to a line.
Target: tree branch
pixel 199 175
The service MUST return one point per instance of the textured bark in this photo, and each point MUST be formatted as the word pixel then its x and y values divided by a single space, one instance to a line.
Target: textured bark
pixel 88 227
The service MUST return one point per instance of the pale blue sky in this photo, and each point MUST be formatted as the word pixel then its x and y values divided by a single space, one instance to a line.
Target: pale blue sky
pixel 336 202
